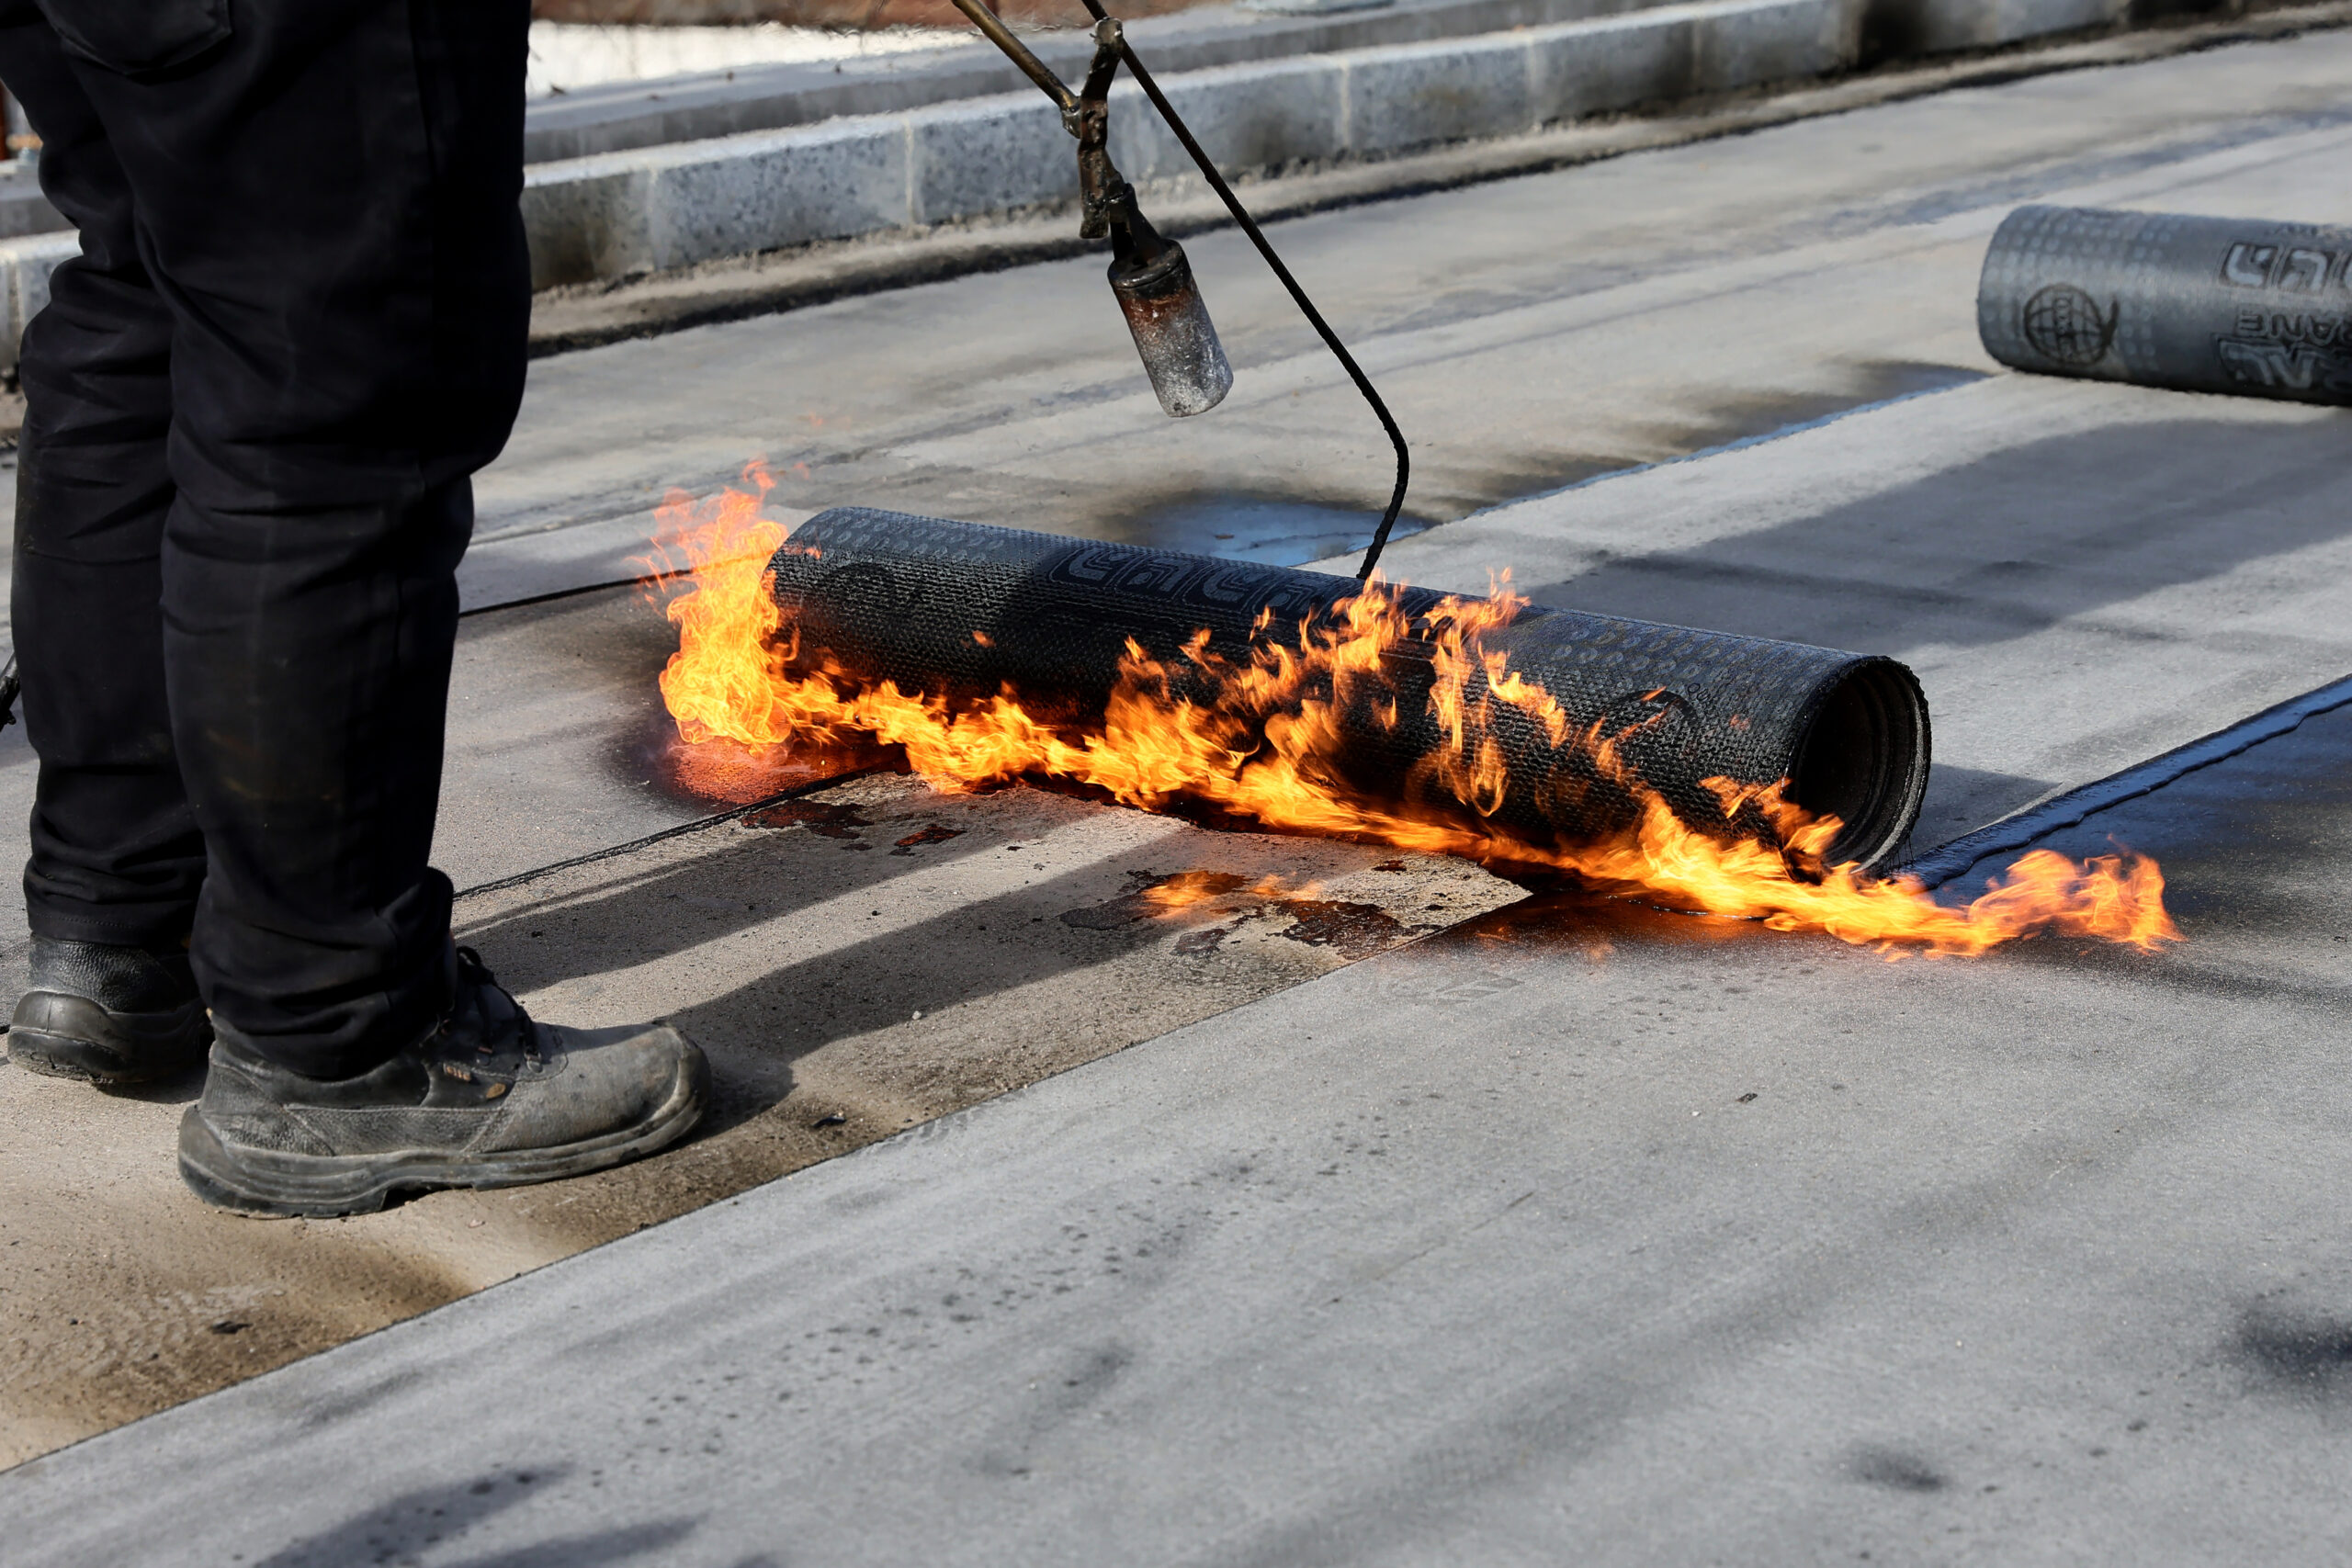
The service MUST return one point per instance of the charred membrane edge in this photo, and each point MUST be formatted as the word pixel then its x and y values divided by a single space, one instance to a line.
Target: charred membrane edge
pixel 2037 822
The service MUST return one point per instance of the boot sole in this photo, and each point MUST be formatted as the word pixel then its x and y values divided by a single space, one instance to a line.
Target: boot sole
pixel 267 1184
pixel 63 1036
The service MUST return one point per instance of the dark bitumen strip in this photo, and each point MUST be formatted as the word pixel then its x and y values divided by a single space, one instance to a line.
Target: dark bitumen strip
pixel 1940 865
pixel 550 597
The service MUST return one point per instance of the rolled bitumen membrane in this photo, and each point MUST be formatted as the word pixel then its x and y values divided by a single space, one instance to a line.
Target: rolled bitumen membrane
pixel 963 610
pixel 2163 300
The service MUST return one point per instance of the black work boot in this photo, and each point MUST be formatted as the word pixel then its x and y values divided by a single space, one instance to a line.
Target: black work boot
pixel 489 1098
pixel 106 1014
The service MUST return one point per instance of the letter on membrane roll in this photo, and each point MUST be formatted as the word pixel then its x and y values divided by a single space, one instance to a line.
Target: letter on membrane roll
pixel 963 610
pixel 2199 304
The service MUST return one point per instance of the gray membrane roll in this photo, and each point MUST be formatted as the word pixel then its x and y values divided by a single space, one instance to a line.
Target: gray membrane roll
pixel 2199 304
pixel 963 610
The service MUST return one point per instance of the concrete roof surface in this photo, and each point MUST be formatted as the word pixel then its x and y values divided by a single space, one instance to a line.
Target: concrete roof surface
pixel 1558 1299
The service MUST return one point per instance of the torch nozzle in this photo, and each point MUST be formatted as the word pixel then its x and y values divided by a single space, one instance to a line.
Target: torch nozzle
pixel 1155 287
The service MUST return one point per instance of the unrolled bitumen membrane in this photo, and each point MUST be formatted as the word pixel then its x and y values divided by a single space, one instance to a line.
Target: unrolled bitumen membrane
pixel 2167 300
pixel 966 611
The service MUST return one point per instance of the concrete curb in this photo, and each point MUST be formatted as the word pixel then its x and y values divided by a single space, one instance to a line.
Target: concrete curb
pixel 1939 27
pixel 657 209
pixel 619 116
pixel 25 266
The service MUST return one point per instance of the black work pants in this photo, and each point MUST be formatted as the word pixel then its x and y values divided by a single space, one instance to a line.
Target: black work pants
pixel 296 327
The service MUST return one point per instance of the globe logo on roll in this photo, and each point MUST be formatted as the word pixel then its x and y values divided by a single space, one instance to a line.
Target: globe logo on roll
pixel 2066 324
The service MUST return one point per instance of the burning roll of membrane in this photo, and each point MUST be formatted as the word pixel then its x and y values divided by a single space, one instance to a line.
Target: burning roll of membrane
pixel 960 610
pixel 2163 299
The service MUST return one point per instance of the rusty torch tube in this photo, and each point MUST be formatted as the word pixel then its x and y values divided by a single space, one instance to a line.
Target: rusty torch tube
pixel 1150 276
pixel 2258 309
pixel 1179 346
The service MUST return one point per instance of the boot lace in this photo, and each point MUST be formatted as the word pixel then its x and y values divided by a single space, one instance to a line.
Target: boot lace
pixel 500 1016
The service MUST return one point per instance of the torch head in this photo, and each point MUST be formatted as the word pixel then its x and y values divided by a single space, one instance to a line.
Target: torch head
pixel 1162 304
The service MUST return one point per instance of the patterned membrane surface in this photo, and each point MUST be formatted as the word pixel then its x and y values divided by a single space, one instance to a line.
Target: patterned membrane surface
pixel 966 609
pixel 2167 300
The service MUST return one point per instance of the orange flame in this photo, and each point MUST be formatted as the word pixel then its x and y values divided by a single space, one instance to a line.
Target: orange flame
pixel 1173 895
pixel 1264 749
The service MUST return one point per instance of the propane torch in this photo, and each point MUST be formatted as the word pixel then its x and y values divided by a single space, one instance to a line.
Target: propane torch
pixel 1149 275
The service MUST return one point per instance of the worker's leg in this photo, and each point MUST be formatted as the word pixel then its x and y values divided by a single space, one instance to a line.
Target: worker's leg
pixel 326 201
pixel 117 861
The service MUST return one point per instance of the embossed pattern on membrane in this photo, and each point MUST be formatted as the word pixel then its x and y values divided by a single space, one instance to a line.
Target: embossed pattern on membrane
pixel 963 609
pixel 2198 304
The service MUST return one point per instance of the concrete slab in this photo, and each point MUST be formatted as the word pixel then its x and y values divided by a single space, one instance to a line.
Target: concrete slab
pixel 1579 1230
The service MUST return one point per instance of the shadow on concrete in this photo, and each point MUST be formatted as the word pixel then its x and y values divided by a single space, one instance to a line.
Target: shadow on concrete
pixel 2005 547
pixel 1961 800
pixel 1897 1470
pixel 179 1088
pixel 2301 1353
pixel 417 1521
pixel 683 906
pixel 769 1020
pixel 1273 530
pixel 1445 487
pixel 972 951
pixel 1291 529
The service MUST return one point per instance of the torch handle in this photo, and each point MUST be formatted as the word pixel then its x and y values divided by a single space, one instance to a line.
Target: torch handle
pixel 1036 70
